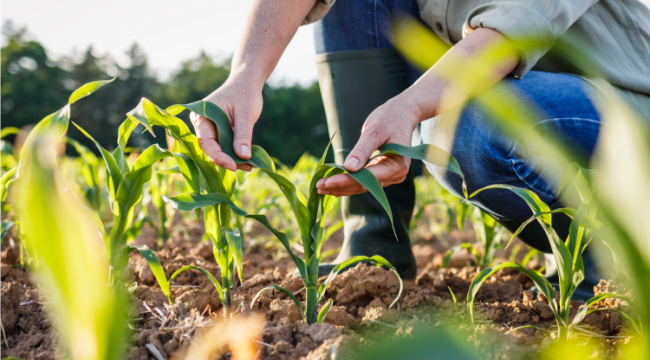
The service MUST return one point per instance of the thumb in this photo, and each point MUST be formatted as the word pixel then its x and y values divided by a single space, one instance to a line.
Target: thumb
pixel 367 144
pixel 243 137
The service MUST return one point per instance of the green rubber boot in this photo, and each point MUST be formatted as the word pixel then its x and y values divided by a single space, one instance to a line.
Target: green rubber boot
pixel 353 84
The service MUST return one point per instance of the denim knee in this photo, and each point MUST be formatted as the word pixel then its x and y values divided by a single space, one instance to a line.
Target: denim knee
pixel 360 24
pixel 488 156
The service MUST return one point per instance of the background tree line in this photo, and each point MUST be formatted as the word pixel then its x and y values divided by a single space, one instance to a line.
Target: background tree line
pixel 34 85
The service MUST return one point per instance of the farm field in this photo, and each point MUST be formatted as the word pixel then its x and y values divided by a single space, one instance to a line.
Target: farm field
pixel 361 297
pixel 158 254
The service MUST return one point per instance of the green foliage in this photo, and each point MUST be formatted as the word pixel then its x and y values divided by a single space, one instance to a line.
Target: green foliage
pixel 4 230
pixel 125 185
pixel 568 254
pixel 488 233
pixel 62 241
pixel 159 273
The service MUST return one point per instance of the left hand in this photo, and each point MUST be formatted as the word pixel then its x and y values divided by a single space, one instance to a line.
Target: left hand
pixel 392 122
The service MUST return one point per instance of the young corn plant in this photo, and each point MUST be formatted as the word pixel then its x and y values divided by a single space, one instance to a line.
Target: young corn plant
pixel 90 170
pixel 53 126
pixel 209 188
pixel 159 272
pixel 125 184
pixel 568 253
pixel 310 212
pixel 488 233
pixel 90 317
pixel 57 228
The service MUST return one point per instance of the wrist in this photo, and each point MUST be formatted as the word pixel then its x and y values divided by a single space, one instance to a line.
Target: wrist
pixel 409 108
pixel 246 78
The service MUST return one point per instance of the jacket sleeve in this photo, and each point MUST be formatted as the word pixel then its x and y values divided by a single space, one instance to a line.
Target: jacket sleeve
pixel 531 25
pixel 319 10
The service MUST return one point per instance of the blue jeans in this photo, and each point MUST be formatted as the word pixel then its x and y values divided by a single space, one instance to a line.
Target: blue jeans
pixel 487 156
pixel 561 109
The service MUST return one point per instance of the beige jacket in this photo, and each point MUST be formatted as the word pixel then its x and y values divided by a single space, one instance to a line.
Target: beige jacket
pixel 616 33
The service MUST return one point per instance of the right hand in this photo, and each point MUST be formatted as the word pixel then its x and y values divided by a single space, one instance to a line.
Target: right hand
pixel 243 105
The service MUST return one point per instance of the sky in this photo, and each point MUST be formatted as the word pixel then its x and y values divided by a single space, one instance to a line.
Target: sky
pixel 170 31
pixel 214 26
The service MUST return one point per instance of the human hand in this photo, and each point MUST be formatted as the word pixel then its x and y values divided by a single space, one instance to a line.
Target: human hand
pixel 392 122
pixel 243 105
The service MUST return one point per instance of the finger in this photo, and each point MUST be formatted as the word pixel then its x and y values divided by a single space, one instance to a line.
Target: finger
pixel 243 127
pixel 340 181
pixel 387 170
pixel 206 135
pixel 245 167
pixel 367 144
pixel 338 193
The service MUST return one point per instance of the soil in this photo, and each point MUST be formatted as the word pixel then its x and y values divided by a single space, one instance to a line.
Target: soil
pixel 360 315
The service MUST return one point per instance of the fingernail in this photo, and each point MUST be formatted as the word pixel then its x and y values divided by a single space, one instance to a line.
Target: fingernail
pixel 244 150
pixel 352 163
pixel 231 167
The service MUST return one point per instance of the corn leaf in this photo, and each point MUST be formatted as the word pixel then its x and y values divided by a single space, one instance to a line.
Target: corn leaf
pixel 157 269
pixel 582 312
pixel 204 271
pixel 259 157
pixel 377 260
pixel 124 132
pixel 235 247
pixel 189 202
pixel 461 212
pixel 7 179
pixel 92 316
pixel 147 114
pixel 636 325
pixel 287 292
pixel 189 171
pixel 542 284
pixel 56 124
pixel 8 131
pixel 368 180
pixel 561 253
pixel 545 332
pixel 114 171
pixel 129 194
pixel 4 229
pixel 425 152
pixel 323 312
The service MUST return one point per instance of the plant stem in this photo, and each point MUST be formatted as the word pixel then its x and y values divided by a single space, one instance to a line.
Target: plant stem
pixel 310 304
pixel 562 333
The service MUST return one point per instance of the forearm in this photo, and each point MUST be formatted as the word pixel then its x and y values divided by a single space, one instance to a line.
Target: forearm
pixel 270 26
pixel 473 65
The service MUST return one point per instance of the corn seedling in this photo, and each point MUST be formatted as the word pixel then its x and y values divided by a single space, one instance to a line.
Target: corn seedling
pixel 487 232
pixel 53 126
pixel 161 184
pixel 125 184
pixel 159 272
pixel 63 239
pixel 306 210
pixel 90 171
pixel 202 178
pixel 568 253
